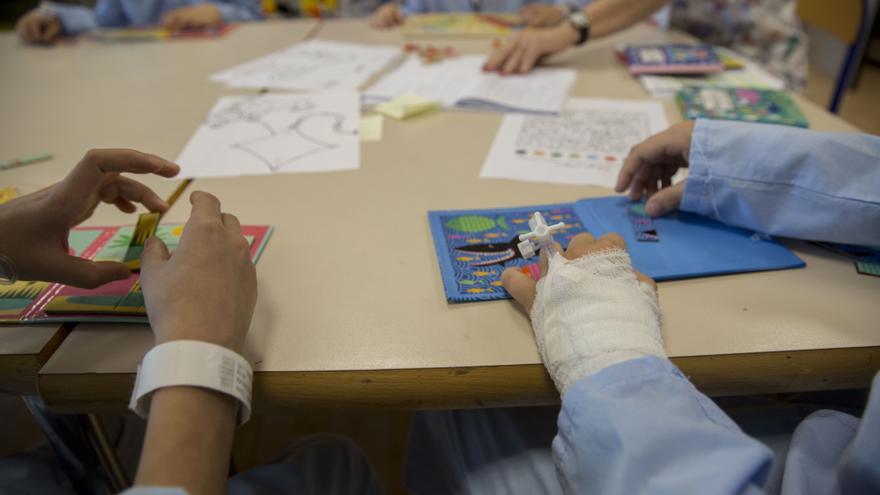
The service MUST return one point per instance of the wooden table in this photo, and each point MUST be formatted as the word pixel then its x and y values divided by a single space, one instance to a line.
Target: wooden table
pixel 355 315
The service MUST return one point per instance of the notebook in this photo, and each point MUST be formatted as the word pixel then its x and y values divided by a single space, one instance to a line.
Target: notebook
pixel 672 59
pixel 460 25
pixel 745 104
pixel 475 246
pixel 121 301
pixel 460 83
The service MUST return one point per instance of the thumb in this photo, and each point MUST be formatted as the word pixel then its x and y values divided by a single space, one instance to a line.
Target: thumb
pixel 155 252
pixel 79 272
pixel 665 200
pixel 521 286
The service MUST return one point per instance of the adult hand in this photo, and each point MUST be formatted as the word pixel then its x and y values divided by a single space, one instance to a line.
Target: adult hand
pixel 202 16
pixel 39 27
pixel 35 227
pixel 386 16
pixel 207 289
pixel 523 50
pixel 541 15
pixel 523 288
pixel 650 165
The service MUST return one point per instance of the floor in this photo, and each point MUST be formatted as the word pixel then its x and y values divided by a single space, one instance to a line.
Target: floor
pixel 383 435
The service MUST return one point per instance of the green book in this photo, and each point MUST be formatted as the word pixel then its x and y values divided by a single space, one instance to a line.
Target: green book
pixel 766 106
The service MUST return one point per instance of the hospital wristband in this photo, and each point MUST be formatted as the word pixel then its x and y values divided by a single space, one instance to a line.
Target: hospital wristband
pixel 193 363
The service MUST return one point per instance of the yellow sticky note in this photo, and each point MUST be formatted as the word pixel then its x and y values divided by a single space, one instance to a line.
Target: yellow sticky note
pixel 371 128
pixel 406 106
pixel 7 194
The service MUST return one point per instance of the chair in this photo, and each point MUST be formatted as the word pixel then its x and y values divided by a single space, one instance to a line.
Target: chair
pixel 846 20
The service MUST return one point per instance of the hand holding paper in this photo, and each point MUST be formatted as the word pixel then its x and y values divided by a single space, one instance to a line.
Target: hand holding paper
pixel 36 226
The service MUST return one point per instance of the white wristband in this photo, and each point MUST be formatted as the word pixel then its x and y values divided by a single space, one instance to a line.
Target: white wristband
pixel 193 363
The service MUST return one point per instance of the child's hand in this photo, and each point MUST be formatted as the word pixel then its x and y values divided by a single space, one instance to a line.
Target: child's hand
pixel 207 289
pixel 523 50
pixel 523 288
pixel 541 15
pixel 202 16
pixel 38 27
pixel 386 16
pixel 649 168
pixel 35 227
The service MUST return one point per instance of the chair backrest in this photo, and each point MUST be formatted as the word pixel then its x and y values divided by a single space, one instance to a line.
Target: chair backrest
pixel 841 18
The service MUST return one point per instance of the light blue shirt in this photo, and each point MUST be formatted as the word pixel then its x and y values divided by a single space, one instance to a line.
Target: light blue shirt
pixel 786 181
pixel 77 19
pixel 641 427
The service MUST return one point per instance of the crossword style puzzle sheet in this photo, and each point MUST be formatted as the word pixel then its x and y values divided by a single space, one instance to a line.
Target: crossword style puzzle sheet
pixel 585 144
pixel 276 133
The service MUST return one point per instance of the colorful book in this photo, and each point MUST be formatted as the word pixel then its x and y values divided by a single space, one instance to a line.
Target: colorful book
pixel 460 25
pixel 672 59
pixel 121 301
pixel 475 246
pixel 744 104
pixel 137 35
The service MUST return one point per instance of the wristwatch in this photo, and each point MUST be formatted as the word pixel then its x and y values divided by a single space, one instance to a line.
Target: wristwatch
pixel 8 276
pixel 581 22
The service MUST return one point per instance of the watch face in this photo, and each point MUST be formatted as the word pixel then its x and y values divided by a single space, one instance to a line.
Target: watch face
pixel 579 19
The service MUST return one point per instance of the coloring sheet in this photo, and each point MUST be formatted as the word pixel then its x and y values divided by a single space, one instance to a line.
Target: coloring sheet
pixel 275 133
pixel 586 144
pixel 312 65
pixel 460 82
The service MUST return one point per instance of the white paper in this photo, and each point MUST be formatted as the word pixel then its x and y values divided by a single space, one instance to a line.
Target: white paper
pixel 312 65
pixel 586 144
pixel 460 82
pixel 275 133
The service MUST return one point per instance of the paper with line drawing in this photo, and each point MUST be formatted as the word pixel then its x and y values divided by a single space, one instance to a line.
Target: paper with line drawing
pixel 269 134
pixel 585 144
pixel 312 65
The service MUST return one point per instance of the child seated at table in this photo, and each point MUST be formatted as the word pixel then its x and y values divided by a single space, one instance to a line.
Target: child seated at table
pixel 51 20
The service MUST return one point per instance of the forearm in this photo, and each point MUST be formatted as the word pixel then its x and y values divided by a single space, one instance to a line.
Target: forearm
pixel 786 181
pixel 189 440
pixel 611 16
pixel 641 427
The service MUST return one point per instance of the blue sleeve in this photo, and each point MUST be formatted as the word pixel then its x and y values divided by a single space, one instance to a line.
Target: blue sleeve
pixel 411 7
pixel 240 10
pixel 75 19
pixel 786 181
pixel 859 469
pixel 641 427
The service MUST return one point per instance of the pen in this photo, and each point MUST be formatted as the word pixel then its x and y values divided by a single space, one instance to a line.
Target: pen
pixel 18 162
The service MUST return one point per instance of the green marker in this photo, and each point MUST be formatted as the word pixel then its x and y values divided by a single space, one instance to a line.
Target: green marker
pixel 18 162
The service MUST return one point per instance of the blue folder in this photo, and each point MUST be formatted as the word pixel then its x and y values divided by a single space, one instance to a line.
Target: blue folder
pixel 689 245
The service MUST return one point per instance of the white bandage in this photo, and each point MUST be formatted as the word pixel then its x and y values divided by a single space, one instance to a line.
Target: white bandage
pixel 593 312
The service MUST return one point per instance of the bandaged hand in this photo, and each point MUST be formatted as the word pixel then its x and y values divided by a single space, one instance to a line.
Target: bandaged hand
pixel 590 310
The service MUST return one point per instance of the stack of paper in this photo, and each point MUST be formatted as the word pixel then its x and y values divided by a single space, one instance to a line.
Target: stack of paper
pixel 461 83
pixel 312 65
